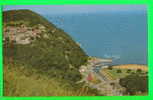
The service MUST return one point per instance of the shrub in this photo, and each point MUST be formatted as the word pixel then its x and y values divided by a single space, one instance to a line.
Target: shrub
pixel 110 68
pixel 119 71
pixel 27 82
pixel 134 83
pixel 139 70
pixel 129 70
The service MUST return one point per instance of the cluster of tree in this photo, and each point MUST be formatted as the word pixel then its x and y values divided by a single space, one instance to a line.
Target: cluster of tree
pixel 135 83
pixel 119 71
pixel 110 67
pixel 129 70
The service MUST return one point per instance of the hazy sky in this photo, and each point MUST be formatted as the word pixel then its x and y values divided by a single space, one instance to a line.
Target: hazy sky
pixel 59 9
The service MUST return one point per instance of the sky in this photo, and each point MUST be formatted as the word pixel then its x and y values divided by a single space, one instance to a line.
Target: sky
pixel 60 9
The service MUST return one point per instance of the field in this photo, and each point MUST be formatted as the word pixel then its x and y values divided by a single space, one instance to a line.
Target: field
pixel 125 70
pixel 132 66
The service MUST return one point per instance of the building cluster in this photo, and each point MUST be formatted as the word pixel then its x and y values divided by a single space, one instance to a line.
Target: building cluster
pixel 22 34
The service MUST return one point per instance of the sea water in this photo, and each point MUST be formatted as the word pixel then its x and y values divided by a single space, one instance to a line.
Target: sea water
pixel 121 36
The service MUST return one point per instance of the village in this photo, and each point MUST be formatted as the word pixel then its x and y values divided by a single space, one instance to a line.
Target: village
pixel 95 78
pixel 20 33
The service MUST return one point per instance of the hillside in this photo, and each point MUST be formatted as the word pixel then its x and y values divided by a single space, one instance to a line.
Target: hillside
pixel 30 40
pixel 22 81
pixel 26 16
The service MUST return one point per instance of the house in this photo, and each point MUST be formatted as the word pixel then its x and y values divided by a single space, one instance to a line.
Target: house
pixel 89 77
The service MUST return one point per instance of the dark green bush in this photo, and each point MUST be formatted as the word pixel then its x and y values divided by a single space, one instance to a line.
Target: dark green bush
pixel 129 70
pixel 139 70
pixel 118 71
pixel 135 83
pixel 110 68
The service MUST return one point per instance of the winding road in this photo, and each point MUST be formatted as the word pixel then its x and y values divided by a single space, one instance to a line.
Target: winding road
pixel 105 85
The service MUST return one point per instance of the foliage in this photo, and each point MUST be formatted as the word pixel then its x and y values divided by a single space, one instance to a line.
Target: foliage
pixel 25 16
pixel 129 70
pixel 139 70
pixel 119 71
pixel 56 57
pixel 135 83
pixel 110 68
pixel 21 81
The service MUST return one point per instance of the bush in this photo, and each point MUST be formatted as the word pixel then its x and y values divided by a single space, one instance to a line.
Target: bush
pixel 118 71
pixel 135 83
pixel 133 73
pixel 129 70
pixel 139 70
pixel 112 84
pixel 110 68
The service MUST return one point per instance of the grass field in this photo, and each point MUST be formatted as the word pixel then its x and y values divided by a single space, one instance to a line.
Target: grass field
pixel 21 81
pixel 113 74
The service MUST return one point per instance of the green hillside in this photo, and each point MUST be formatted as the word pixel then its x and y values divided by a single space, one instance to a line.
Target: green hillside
pixel 30 40
pixel 22 81
pixel 27 16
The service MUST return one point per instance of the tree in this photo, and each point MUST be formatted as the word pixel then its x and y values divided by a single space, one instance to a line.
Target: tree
pixel 119 71
pixel 7 39
pixel 134 83
pixel 128 71
pixel 110 68
pixel 112 83
pixel 139 70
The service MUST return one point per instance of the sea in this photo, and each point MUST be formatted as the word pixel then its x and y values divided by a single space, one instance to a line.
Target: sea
pixel 121 36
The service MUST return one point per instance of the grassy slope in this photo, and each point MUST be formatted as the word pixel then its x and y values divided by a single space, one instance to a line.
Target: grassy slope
pixel 45 56
pixel 26 16
pixel 21 81
pixel 57 53
pixel 59 44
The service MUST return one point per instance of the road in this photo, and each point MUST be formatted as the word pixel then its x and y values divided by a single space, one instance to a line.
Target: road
pixel 105 85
